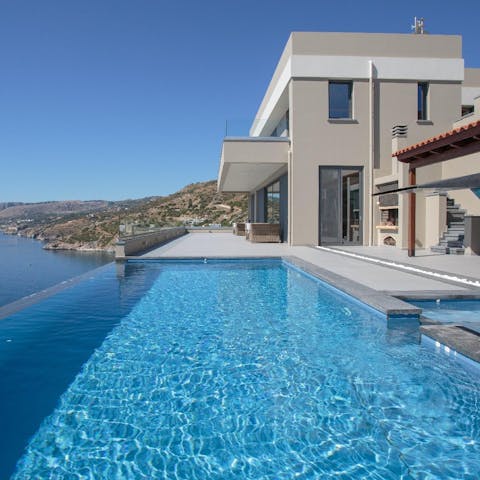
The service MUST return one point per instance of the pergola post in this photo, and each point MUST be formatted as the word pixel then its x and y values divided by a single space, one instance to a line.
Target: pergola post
pixel 412 174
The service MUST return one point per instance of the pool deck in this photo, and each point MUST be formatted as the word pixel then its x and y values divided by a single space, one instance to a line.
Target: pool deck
pixel 378 276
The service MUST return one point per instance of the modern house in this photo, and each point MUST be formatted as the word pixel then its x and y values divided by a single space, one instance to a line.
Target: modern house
pixel 320 146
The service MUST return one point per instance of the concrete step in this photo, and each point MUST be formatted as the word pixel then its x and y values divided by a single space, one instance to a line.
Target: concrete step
pixel 455 244
pixel 453 238
pixel 448 250
pixel 439 249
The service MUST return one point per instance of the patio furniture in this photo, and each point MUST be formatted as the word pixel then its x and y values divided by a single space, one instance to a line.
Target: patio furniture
pixel 239 229
pixel 263 232
pixel 248 226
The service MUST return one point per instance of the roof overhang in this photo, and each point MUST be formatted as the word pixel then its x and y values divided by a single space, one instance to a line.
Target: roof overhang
pixel 248 162
pixel 446 146
pixel 458 183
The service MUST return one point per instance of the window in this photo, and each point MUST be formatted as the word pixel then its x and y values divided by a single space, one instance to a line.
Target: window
pixel 340 99
pixel 273 203
pixel 467 110
pixel 422 112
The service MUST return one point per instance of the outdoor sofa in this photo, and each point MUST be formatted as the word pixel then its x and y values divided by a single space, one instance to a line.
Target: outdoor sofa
pixel 262 232
pixel 239 229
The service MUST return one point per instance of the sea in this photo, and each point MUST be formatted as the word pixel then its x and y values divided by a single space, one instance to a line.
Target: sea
pixel 26 268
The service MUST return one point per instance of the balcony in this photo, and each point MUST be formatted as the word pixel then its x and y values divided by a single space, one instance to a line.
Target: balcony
pixel 248 162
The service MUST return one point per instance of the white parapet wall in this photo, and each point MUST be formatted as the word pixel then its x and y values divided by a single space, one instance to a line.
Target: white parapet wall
pixel 210 229
pixel 135 244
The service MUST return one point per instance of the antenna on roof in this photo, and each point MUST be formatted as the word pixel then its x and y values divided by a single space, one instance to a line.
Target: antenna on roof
pixel 419 26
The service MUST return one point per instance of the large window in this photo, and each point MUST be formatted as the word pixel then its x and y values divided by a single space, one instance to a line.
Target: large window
pixel 273 203
pixel 339 100
pixel 422 101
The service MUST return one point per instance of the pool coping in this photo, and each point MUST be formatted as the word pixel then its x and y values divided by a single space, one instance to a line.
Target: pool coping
pixel 390 306
pixel 454 338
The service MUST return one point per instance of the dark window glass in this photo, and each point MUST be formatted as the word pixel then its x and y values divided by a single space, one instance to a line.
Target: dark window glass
pixel 340 99
pixel 422 101
pixel 467 109
pixel 273 203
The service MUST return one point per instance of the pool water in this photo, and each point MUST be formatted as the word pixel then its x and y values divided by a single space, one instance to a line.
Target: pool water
pixel 43 347
pixel 253 370
pixel 461 312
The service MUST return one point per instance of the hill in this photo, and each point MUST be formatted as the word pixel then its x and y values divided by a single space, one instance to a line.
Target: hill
pixel 96 224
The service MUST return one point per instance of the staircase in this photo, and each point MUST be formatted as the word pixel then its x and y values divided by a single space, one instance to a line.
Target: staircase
pixel 452 240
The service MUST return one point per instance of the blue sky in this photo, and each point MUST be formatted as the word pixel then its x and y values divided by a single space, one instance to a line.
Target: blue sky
pixel 114 99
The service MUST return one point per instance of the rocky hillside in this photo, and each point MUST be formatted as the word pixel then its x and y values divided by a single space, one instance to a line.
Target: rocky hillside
pixel 96 224
pixel 35 211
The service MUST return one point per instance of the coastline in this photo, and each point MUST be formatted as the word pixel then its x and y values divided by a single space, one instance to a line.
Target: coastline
pixel 59 245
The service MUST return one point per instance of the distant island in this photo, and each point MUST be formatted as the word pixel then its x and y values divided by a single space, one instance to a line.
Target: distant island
pixel 96 225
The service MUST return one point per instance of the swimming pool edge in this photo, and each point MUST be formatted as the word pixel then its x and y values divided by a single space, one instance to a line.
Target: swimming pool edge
pixel 451 338
pixel 17 305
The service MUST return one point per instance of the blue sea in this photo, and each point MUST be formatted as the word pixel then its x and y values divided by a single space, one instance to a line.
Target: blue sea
pixel 26 268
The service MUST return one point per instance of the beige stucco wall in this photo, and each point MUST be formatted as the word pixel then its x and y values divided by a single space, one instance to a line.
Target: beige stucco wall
pixel 245 162
pixel 459 167
pixel 375 44
pixel 316 141
pixel 472 77
pixel 398 106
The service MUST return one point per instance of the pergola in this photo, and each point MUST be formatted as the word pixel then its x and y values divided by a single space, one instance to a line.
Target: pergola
pixel 446 146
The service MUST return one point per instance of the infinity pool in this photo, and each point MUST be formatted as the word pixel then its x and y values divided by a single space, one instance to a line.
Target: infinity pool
pixel 251 370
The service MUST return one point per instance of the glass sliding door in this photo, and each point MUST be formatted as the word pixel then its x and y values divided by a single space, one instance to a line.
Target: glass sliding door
pixel 340 206
pixel 330 206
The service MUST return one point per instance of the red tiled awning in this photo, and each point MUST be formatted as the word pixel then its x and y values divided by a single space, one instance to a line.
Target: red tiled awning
pixel 455 143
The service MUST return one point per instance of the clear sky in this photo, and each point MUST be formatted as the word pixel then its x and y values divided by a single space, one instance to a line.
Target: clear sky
pixel 115 99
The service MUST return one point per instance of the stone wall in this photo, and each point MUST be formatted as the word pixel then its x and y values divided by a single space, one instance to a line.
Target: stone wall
pixel 139 243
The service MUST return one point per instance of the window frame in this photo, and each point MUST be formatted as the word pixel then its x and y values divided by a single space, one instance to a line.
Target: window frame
pixel 272 208
pixel 350 99
pixel 423 96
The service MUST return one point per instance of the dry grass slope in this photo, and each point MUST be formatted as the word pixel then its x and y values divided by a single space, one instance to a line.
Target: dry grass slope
pixel 95 225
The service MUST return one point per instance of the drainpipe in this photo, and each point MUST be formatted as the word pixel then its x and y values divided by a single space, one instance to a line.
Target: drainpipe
pixel 290 209
pixel 371 156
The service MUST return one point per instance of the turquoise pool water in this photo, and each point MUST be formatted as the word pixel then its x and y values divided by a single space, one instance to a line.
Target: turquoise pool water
pixel 256 371
pixel 464 312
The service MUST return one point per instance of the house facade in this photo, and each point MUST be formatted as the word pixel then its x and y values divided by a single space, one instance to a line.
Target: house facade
pixel 320 145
